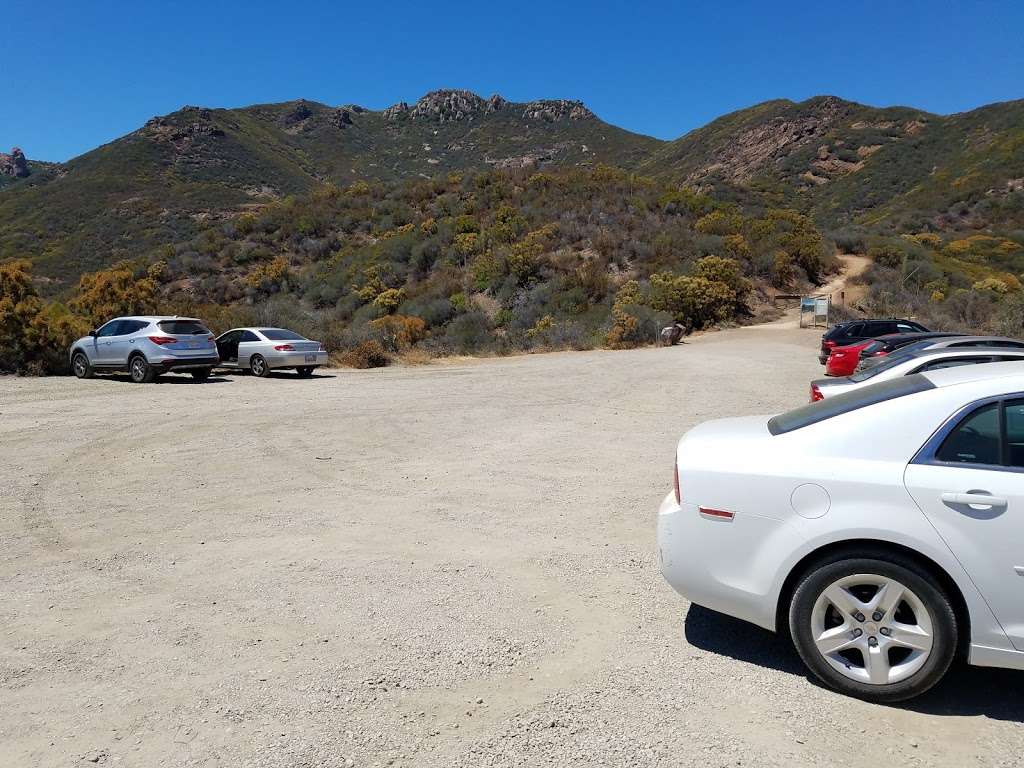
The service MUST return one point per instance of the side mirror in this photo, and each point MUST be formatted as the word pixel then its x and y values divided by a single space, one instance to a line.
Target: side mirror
pixel 93 333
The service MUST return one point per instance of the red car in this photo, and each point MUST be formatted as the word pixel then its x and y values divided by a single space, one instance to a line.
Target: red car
pixel 842 361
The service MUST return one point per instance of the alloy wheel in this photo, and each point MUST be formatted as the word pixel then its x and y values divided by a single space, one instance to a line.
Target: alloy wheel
pixel 80 365
pixel 872 629
pixel 139 369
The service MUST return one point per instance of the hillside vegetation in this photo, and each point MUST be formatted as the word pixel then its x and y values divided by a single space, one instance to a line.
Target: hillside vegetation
pixel 489 261
pixel 463 224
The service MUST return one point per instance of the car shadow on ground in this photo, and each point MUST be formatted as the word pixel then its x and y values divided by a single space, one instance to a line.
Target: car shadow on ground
pixel 167 378
pixel 964 691
pixel 290 375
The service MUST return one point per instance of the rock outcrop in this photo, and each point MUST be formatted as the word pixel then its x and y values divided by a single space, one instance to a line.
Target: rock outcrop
pixel 189 123
pixel 453 105
pixel 14 164
pixel 764 143
pixel 552 110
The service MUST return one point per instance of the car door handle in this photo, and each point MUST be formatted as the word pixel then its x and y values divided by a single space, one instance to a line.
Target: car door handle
pixel 975 500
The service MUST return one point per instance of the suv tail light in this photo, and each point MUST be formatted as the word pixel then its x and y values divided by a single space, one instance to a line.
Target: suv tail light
pixel 675 482
pixel 162 339
pixel 816 393
pixel 827 344
pixel 284 348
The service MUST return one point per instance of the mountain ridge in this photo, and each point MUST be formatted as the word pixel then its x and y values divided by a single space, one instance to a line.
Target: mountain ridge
pixel 844 163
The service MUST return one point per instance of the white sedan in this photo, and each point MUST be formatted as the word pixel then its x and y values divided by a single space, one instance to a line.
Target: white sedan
pixel 262 350
pixel 882 528
pixel 904 363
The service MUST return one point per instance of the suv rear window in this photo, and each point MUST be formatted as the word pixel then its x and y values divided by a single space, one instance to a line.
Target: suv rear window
pixel 183 328
pixel 281 334
pixel 846 402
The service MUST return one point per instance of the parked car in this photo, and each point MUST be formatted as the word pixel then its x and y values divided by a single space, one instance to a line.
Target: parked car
pixel 931 341
pixel 261 350
pixel 145 347
pixel 905 362
pixel 844 360
pixel 882 528
pixel 856 331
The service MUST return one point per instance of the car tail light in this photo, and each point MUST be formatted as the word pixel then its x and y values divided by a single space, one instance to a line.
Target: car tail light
pixel 284 348
pixel 210 338
pixel 675 482
pixel 816 393
pixel 828 344
pixel 162 339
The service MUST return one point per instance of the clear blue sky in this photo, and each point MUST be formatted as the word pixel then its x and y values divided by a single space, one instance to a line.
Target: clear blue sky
pixel 78 73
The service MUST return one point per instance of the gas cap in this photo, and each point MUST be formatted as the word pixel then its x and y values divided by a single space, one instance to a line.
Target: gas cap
pixel 810 501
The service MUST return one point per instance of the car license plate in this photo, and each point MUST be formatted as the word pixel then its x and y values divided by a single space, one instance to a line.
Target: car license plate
pixel 193 345
pixel 311 358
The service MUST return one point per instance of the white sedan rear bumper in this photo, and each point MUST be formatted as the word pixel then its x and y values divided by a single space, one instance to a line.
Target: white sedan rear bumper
pixel 295 359
pixel 719 563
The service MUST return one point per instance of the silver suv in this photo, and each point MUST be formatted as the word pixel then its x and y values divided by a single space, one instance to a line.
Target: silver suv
pixel 146 346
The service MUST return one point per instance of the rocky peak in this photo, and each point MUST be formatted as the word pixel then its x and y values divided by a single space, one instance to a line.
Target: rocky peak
pixel 551 110
pixel 184 125
pixel 396 111
pixel 14 164
pixel 297 114
pixel 446 106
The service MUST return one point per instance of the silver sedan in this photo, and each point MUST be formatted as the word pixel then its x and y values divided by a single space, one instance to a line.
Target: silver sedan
pixel 905 362
pixel 261 350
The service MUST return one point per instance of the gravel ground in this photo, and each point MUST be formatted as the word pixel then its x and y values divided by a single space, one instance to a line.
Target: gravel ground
pixel 449 565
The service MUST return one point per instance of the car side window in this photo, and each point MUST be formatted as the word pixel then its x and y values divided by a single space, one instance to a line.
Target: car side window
pixel 1014 410
pixel 975 440
pixel 905 328
pixel 113 328
pixel 248 336
pixel 131 326
pixel 953 362
pixel 854 330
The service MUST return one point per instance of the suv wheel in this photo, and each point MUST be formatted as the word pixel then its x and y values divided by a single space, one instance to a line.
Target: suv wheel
pixel 305 371
pixel 80 365
pixel 259 366
pixel 878 629
pixel 140 370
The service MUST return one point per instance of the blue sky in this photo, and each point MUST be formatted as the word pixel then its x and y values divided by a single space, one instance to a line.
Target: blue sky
pixel 77 74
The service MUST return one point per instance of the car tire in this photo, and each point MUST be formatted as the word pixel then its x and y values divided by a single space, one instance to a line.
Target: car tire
pixel 201 374
pixel 80 366
pixel 304 371
pixel 140 371
pixel 878 656
pixel 258 366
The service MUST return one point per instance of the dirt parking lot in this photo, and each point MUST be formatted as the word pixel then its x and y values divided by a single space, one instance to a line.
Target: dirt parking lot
pixel 449 565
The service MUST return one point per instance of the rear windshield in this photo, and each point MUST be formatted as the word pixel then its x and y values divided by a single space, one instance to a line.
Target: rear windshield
pixel 846 402
pixel 183 328
pixel 281 334
pixel 890 361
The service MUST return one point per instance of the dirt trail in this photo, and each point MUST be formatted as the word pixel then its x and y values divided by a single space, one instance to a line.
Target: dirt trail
pixel 447 565
pixel 853 266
